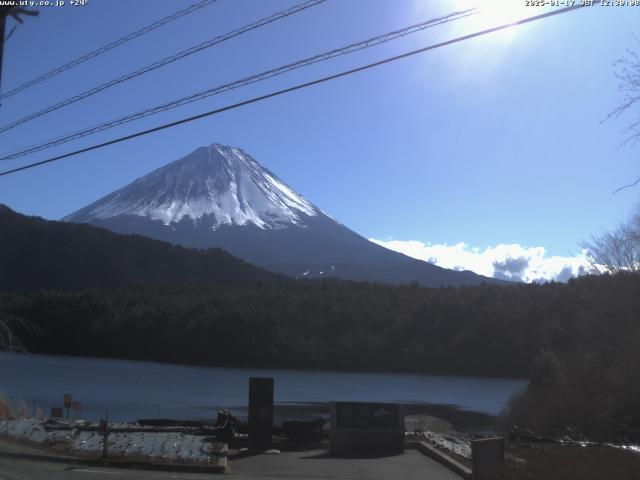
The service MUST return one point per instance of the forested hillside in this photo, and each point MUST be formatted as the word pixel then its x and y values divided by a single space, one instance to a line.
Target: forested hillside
pixel 484 330
pixel 40 254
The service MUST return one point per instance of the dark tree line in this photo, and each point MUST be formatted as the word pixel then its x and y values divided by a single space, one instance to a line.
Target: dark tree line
pixel 577 341
pixel 327 325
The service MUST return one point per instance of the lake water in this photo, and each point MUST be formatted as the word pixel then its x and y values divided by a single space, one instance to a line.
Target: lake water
pixel 129 390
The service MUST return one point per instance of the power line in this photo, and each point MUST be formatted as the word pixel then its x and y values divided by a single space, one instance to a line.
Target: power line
pixel 370 42
pixel 295 88
pixel 107 47
pixel 166 61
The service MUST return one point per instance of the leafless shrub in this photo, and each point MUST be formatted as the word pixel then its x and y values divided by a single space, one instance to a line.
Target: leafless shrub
pixel 6 408
pixel 40 414
pixel 21 409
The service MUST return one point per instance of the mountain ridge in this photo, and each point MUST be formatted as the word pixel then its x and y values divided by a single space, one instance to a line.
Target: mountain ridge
pixel 43 254
pixel 220 196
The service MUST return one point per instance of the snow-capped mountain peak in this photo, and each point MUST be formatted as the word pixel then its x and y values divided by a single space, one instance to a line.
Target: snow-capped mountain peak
pixel 220 182
pixel 220 197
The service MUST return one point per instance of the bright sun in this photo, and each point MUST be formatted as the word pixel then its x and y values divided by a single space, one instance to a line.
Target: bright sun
pixel 503 11
pixel 492 13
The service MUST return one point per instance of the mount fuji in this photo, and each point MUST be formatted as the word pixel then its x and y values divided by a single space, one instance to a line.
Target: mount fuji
pixel 219 196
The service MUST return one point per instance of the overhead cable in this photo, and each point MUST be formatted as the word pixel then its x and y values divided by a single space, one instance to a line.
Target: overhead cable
pixel 109 46
pixel 164 62
pixel 370 42
pixel 299 86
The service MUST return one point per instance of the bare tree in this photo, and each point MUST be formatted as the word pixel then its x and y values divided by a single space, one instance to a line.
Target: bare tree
pixel 627 71
pixel 617 250
pixel 8 340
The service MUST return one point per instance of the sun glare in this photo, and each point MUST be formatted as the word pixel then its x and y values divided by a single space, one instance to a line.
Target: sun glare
pixel 503 11
pixel 492 13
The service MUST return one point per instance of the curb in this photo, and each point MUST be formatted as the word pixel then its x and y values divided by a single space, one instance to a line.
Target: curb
pixel 440 457
pixel 127 464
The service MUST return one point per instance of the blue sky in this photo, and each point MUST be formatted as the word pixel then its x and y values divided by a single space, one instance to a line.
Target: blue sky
pixel 496 141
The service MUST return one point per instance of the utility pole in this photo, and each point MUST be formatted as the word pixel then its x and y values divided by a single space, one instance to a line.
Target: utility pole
pixel 4 10
pixel 15 12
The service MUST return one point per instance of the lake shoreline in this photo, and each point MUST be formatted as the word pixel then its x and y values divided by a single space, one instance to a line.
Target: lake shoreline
pixel 273 367
pixel 131 390
pixel 463 421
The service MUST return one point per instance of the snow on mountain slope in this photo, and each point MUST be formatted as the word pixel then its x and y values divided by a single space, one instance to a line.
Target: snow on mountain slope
pixel 223 183
pixel 219 196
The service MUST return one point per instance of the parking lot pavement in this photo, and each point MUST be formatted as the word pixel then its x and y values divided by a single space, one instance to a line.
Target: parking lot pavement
pixel 307 465
pixel 318 465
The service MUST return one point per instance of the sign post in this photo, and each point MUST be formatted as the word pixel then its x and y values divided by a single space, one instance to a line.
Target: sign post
pixel 77 408
pixel 67 403
pixel 260 412
pixel 104 428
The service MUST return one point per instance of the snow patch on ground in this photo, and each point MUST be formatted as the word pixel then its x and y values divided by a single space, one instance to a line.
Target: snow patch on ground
pixel 167 446
pixel 453 443
pixel 31 430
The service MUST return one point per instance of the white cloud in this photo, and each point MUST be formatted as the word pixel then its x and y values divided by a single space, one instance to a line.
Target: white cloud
pixel 506 261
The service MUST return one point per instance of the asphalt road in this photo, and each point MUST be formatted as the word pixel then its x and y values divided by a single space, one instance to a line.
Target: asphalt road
pixel 307 465
pixel 12 469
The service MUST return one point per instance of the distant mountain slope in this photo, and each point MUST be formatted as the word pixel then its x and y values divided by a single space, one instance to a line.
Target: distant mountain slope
pixel 220 196
pixel 39 254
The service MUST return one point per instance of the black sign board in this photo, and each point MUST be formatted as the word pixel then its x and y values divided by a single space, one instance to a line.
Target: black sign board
pixel 366 427
pixel 260 412
pixel 352 415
